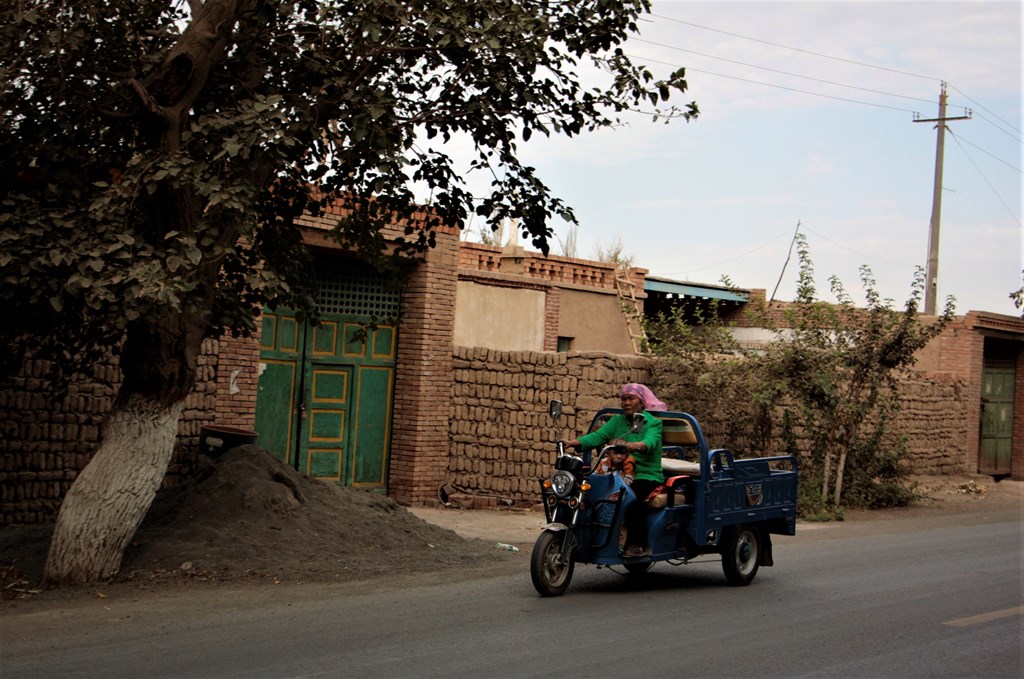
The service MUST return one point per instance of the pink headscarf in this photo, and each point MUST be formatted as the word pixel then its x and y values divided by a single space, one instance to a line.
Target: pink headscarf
pixel 645 395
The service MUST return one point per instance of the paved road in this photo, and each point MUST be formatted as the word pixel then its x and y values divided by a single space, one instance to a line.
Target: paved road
pixel 892 600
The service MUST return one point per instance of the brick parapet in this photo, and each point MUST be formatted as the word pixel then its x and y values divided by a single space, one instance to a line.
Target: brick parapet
pixel 552 269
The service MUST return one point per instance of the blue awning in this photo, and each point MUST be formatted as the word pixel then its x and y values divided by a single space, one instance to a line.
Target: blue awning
pixel 667 286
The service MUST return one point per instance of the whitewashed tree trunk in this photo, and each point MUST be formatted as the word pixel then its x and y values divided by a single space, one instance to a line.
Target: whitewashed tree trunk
pixel 111 496
pixel 824 476
pixel 841 467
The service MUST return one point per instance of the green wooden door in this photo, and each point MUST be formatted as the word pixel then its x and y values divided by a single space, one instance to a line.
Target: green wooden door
pixel 282 348
pixel 326 391
pixel 997 385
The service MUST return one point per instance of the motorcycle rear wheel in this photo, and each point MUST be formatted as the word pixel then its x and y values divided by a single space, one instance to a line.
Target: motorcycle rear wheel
pixel 551 573
pixel 741 554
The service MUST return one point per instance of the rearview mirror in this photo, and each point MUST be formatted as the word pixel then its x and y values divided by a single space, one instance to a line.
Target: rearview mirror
pixel 638 423
pixel 555 410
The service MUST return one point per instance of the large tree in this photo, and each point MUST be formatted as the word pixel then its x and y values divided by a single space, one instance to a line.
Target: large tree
pixel 154 156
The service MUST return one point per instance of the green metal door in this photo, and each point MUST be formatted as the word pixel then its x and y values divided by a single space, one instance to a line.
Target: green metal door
pixel 326 391
pixel 997 385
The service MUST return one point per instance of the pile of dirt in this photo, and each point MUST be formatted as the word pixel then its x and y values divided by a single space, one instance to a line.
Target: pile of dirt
pixel 249 517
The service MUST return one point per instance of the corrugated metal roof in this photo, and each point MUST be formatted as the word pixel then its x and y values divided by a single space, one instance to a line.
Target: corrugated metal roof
pixel 698 290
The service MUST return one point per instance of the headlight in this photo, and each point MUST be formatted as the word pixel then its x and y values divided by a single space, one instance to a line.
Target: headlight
pixel 562 483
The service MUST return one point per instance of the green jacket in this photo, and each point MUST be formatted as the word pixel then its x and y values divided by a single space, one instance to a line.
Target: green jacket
pixel 648 465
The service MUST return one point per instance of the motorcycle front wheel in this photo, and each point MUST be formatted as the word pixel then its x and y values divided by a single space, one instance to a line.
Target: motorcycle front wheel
pixel 549 571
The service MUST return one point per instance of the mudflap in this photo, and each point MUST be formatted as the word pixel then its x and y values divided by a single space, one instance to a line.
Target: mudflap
pixel 766 549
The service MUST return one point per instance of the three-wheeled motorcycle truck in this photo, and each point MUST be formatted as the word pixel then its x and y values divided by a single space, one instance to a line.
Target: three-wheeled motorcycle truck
pixel 712 503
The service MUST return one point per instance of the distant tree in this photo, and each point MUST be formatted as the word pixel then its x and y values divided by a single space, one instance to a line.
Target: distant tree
pixel 155 155
pixel 570 244
pixel 1018 297
pixel 615 254
pixel 837 363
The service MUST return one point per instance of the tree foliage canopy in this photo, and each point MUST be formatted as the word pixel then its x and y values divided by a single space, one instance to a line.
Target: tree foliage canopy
pixel 154 155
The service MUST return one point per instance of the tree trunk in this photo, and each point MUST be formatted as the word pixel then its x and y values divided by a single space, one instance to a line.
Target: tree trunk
pixel 111 496
pixel 840 467
pixel 827 469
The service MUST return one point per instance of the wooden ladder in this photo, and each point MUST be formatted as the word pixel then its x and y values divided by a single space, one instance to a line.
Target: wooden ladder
pixel 626 289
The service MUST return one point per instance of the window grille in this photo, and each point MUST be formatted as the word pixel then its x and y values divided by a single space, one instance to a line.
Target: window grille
pixel 354 289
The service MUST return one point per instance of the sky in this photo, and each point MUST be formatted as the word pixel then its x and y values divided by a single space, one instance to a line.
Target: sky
pixel 807 117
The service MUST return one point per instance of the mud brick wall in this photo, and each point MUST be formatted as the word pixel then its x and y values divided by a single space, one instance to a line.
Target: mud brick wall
pixel 502 441
pixel 501 438
pixel 45 444
pixel 933 420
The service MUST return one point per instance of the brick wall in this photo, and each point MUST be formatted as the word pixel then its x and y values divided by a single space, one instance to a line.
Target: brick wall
pixel 501 439
pixel 46 444
pixel 932 421
pixel 502 442
pixel 419 439
pixel 552 314
pixel 237 380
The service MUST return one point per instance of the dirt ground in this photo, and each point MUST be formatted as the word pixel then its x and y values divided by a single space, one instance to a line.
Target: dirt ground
pixel 249 519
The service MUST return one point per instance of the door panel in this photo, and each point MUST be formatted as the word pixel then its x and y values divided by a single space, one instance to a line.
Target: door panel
pixel 328 397
pixel 374 425
pixel 274 406
pixel 278 385
pixel 997 387
pixel 328 416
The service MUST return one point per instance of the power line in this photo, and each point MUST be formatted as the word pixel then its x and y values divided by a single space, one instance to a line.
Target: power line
pixel 775 70
pixel 858 252
pixel 834 58
pixel 1008 134
pixel 741 256
pixel 1017 130
pixel 796 49
pixel 957 140
pixel 780 87
pixel 984 151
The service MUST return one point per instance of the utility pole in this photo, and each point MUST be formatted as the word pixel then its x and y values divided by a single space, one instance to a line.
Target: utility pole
pixel 931 282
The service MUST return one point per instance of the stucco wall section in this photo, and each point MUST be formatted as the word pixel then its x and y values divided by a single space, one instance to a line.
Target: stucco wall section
pixel 509 319
pixel 595 321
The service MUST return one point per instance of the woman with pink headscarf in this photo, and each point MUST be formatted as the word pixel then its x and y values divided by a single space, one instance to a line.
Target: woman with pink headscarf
pixel 644 446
